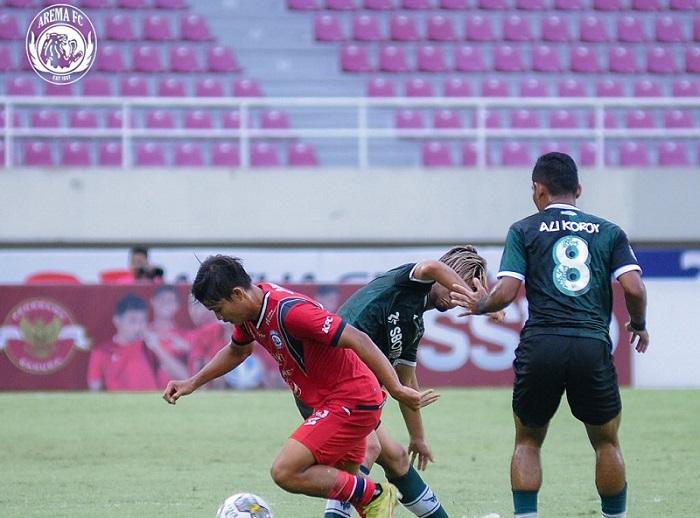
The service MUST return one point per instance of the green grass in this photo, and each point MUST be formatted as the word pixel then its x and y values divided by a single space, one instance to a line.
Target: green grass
pixel 122 455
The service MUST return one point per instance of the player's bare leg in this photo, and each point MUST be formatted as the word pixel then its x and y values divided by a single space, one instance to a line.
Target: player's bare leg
pixel 609 468
pixel 526 468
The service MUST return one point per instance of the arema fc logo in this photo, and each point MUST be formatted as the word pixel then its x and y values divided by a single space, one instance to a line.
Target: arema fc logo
pixel 61 44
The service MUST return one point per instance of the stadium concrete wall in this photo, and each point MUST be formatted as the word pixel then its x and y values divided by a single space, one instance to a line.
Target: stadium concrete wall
pixel 321 207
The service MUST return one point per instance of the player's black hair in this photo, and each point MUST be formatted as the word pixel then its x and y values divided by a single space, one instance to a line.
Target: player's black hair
pixel 557 172
pixel 216 278
pixel 130 302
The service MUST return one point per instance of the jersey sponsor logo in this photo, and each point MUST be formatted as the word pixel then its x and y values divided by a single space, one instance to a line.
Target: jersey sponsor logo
pixel 276 340
pixel 571 226
pixel 327 324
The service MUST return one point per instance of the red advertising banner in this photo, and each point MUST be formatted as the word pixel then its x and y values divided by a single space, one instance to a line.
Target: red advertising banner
pixel 116 337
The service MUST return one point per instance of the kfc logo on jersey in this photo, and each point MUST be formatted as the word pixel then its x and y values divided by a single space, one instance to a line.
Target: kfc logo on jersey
pixel 327 324
pixel 39 336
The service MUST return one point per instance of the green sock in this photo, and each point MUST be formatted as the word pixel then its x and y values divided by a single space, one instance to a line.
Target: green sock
pixel 417 496
pixel 525 504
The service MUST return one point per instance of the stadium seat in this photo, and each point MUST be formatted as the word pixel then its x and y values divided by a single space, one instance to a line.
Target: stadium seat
pixel 533 87
pixel 523 119
pixel 15 119
pixel 409 119
pixel 303 5
pixel 478 28
pixel 171 87
pixel 274 119
pixel 545 58
pixel 96 86
pixel 593 29
pixel 669 29
pixel 133 86
pixel 457 87
pixel 661 60
pixel 366 27
pixel 199 119
pixel 551 147
pixel 118 27
pixel 447 119
pixel 110 154
pixel 82 119
pixel 587 154
pixel 440 28
pixel 469 154
pixel 222 59
pixel 150 154
pixel 132 4
pixel 495 5
pixel 75 153
pixel 300 154
pixel 354 58
pixel 209 87
pixel 19 4
pixel 170 4
pixel 247 88
pixel 647 5
pixel 609 88
pixel 9 27
pixel 609 119
pixel 146 58
pixel 630 29
pixel 94 4
pixel 418 87
pixel 393 59
pixel 19 86
pixel 188 154
pixel 115 119
pixel 584 59
pixel 555 28
pixel 639 119
pixel 494 88
pixel 157 28
pixel 493 119
pixel 416 4
pixel 515 154
pixel 160 119
pixel 508 58
pixel 607 5
pixel 110 58
pixel 117 276
pixel 263 154
pixel 6 60
pixel 327 27
pixel 231 119
pixel 51 277
pixel 517 28
pixel 225 154
pixel 430 58
pixel 403 28
pixel 692 60
pixel 696 29
pixel 194 27
pixel 562 119
pixel 2 153
pixel 678 119
pixel 469 58
pixel 685 88
pixel 436 154
pixel 571 88
pixel 531 5
pixel 45 118
pixel 647 88
pixel 673 154
pixel 341 5
pixel 183 58
pixel 634 154
pixel 622 60
pixel 378 5
pixel 682 5
pixel 568 5
pixel 380 87
pixel 37 154
pixel 53 90
pixel 454 4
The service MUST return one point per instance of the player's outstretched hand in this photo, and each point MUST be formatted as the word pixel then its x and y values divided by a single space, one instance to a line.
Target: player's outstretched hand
pixel 414 399
pixel 177 388
pixel 466 297
pixel 420 449
pixel 641 337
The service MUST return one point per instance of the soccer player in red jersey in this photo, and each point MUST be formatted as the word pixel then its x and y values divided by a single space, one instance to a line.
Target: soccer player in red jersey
pixel 329 365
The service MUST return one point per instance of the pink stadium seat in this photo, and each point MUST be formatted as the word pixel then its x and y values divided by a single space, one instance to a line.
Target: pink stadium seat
pixel 110 154
pixel 263 154
pixel 160 119
pixel 379 5
pixel 678 119
pixel 366 27
pixel 696 29
pixel 51 278
pixel 393 59
pixel 110 58
pixel 436 154
pixel 341 5
pixel 669 29
pixel 469 154
pixel 609 88
pixel 274 119
pixel 133 86
pixel 189 154
pixel 522 118
pixel 171 87
pixel 446 119
pixel 94 4
pixel 75 154
pixel 38 153
pixel 6 61
pixel 403 28
pixel 550 147
pixel 19 86
pixel 494 87
pixel 568 5
pixel 21 4
pixel 209 87
pixel 150 154
pixel 157 28
pixel 531 5
pixel 478 28
pixel 661 60
pixel 545 58
pixel 685 88
pixel 225 154
pixel 457 87
pixel 454 4
pixel 609 120
pixel 194 27
pixel 493 119
pixel 555 28
pixel 184 58
pixel 300 154
pixel 431 58
pixel 517 28
pixel 15 119
pixel 630 29
pixel 515 154
pixel 45 118
pixel 416 4
pixel 634 154
pixel 327 27
pixel 593 29
pixel 118 27
pixel 132 4
pixel 198 119
pixel 587 154
pixel 9 27
pixel 380 87
pixel 303 5
pixel 469 58
pixel 639 119
pixel 562 119
pixel 418 87
pixel 354 58
pixel 441 28
pixel 692 60
pixel 83 119
pixel 622 60
pixel 508 59
pixel 53 90
pixel 647 5
pixel 682 5
pixel 647 88
pixel 170 4
pixel 533 87
pixel 571 88
pixel 222 59
pixel 584 59
pixel 96 86
pixel 247 88
pixel 409 119
pixel 146 58
pixel 608 5
pixel 673 154
pixel 2 154
pixel 231 119
pixel 115 119
pixel 496 5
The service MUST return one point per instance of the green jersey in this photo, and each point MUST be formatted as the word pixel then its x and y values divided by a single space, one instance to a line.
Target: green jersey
pixel 567 258
pixel 390 310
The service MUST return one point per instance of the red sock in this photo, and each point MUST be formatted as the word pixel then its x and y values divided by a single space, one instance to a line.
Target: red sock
pixel 349 488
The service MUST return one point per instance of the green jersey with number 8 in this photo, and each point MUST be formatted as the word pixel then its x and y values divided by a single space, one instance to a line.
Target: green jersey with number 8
pixel 567 259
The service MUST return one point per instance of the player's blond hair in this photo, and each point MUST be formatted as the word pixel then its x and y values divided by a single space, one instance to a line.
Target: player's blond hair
pixel 467 263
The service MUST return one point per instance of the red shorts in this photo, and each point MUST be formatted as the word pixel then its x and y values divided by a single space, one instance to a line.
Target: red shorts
pixel 337 435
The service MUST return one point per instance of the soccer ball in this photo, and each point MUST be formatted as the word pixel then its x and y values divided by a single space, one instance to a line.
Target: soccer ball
pixel 244 505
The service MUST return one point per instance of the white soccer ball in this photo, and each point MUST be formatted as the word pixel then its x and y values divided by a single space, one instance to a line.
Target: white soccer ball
pixel 244 505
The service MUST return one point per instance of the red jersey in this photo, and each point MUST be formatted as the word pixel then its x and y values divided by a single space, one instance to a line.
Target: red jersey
pixel 125 367
pixel 302 336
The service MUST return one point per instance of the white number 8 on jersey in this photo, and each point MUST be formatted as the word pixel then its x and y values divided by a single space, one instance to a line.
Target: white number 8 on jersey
pixel 571 274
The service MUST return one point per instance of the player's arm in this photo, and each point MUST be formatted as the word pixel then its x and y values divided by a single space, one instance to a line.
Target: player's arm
pixel 435 271
pixel 636 301
pixel 418 447
pixel 478 301
pixel 227 359
pixel 369 353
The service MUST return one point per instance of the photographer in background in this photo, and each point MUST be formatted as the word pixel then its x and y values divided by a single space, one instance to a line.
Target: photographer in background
pixel 141 268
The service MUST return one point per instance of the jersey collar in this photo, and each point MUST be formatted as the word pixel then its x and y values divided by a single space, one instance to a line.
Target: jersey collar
pixel 262 310
pixel 561 206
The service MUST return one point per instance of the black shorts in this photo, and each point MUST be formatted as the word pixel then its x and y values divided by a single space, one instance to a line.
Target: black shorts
pixel 547 365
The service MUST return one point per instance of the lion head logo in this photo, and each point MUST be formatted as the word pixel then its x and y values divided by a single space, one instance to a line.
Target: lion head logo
pixel 59 52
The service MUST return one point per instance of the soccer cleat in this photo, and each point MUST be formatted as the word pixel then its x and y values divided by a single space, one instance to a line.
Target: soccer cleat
pixel 383 506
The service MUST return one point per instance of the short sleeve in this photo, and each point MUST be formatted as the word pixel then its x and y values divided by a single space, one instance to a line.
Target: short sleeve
pixel 305 320
pixel 623 259
pixel 240 336
pixel 514 259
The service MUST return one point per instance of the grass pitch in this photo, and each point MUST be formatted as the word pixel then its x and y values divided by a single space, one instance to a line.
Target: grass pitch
pixel 133 456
